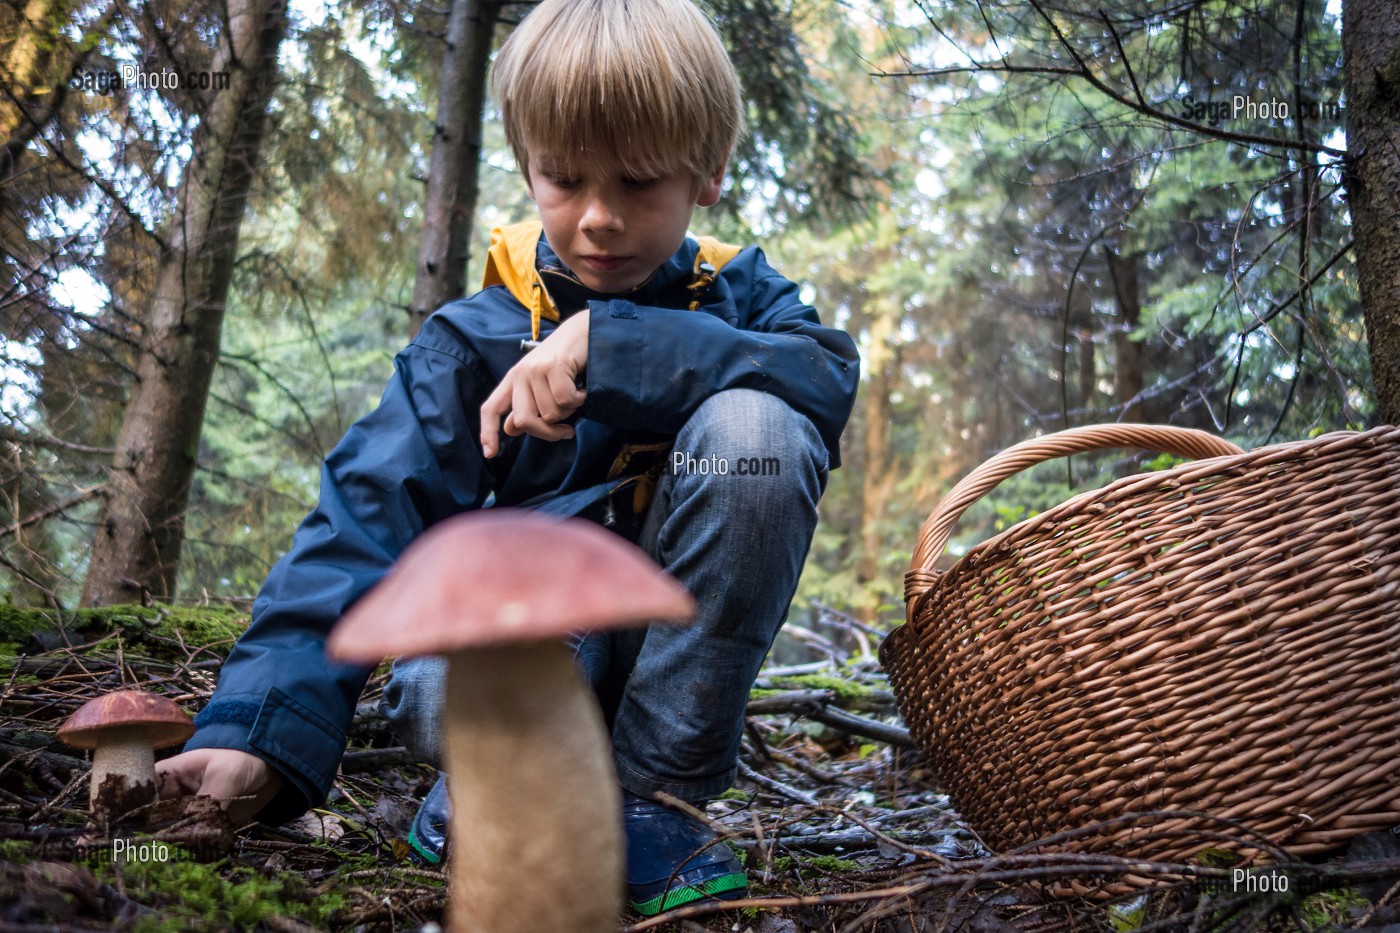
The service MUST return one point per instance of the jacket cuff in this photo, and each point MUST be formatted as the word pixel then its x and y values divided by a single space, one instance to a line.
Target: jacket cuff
pixel 616 359
pixel 301 745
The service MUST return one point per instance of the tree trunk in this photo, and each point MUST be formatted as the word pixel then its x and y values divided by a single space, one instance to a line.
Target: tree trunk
pixel 452 172
pixel 35 59
pixel 877 480
pixel 26 62
pixel 1087 375
pixel 1128 379
pixel 136 548
pixel 1371 46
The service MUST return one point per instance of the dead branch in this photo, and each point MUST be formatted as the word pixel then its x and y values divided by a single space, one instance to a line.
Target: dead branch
pixel 862 727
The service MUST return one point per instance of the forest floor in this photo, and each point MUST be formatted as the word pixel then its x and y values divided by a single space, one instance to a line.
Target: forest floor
pixel 840 826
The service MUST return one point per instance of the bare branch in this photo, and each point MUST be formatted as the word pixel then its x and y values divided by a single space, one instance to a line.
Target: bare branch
pixel 1083 70
pixel 55 509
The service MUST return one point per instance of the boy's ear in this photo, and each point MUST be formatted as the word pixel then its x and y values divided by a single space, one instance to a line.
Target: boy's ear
pixel 710 189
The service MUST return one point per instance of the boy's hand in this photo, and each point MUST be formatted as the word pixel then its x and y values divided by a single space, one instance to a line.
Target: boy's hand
pixel 539 392
pixel 243 783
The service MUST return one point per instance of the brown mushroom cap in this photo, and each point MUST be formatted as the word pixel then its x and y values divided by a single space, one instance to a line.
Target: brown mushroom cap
pixel 166 723
pixel 503 576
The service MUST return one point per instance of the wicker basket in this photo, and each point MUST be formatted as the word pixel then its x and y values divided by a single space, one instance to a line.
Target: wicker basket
pixel 1223 637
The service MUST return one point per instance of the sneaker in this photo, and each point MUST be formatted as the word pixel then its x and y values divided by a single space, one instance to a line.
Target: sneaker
pixel 674 859
pixel 427 834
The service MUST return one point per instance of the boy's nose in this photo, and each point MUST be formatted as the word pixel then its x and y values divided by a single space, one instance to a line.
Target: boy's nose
pixel 599 216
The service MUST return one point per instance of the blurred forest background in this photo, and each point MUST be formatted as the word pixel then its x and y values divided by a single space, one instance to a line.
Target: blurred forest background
pixel 1030 214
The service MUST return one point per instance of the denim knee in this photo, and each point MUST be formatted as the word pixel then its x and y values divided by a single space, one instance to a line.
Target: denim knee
pixel 732 520
pixel 413 697
pixel 744 434
pixel 412 703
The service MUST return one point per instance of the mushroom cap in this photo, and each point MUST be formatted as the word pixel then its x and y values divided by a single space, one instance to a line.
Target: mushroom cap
pixel 164 721
pixel 505 576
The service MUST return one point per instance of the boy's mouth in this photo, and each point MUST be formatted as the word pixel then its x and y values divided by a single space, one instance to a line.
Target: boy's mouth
pixel 604 263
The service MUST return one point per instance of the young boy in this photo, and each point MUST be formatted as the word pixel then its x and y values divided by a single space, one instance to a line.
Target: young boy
pixel 676 390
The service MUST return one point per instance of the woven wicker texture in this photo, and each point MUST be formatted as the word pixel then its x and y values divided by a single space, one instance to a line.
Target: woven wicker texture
pixel 1222 637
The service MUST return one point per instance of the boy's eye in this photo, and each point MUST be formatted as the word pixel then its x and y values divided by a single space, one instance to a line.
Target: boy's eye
pixel 639 183
pixel 562 181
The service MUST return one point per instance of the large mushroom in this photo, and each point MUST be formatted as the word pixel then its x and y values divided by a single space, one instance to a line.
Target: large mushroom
pixel 537 826
pixel 123 729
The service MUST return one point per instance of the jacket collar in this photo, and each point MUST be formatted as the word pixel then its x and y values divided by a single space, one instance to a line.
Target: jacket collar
pixel 520 259
pixel 568 294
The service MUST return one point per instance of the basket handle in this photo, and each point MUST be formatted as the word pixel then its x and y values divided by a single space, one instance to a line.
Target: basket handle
pixel 933 537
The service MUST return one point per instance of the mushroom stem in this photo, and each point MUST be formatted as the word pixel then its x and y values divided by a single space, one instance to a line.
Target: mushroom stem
pixel 127 753
pixel 537 834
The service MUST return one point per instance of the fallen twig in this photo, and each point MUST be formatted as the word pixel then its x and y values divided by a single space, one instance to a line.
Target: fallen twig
pixel 778 787
pixel 373 759
pixel 789 702
pixel 862 727
pixel 855 839
pixel 821 706
pixel 706 908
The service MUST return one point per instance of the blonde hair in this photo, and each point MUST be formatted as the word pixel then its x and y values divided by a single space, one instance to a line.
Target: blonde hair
pixel 645 82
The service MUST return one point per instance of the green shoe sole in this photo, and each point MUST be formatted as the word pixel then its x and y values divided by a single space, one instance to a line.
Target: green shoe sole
pixel 426 854
pixel 675 897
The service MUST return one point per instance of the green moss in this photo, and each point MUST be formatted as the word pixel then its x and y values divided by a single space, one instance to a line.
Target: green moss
pixel 844 689
pixel 9 658
pixel 14 851
pixel 189 895
pixel 1333 909
pixel 205 626
pixel 831 863
pixel 1219 858
pixel 735 794
pixel 16 625
pixel 1130 914
pixel 154 626
pixel 826 863
pixel 150 628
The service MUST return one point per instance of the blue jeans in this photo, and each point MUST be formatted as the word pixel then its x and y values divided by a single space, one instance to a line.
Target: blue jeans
pixel 732 519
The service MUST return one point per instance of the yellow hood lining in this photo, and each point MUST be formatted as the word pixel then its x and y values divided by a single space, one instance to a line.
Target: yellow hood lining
pixel 510 261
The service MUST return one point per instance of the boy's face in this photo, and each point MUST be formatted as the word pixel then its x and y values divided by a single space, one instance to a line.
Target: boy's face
pixel 612 230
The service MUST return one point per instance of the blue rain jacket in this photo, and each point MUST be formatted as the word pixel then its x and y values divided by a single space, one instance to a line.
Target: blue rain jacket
pixel 415 460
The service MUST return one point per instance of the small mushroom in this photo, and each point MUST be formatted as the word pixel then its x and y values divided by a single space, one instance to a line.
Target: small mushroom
pixel 536 805
pixel 124 729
